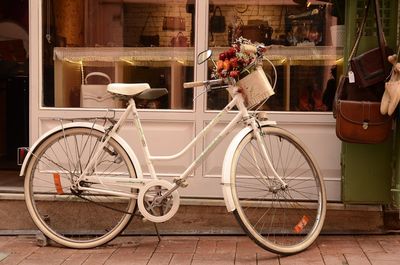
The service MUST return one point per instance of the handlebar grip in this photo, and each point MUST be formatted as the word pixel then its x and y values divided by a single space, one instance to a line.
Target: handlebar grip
pixel 248 48
pixel 193 84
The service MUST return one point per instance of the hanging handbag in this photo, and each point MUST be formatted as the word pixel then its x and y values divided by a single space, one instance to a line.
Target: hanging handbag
pixel 180 40
pixel 370 67
pixel 217 22
pixel 358 117
pixel 357 106
pixel 96 95
pixel 174 22
pixel 147 40
pixel 361 122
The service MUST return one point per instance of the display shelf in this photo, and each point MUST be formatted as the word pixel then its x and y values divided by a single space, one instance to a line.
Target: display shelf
pixel 70 62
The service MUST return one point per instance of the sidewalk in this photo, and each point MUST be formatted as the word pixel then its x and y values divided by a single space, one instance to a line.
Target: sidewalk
pixel 197 250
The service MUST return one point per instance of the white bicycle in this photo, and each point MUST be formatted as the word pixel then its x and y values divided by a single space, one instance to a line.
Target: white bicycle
pixel 83 182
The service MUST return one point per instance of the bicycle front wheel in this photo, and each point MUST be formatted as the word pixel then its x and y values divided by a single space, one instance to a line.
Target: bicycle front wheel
pixel 284 220
pixel 69 216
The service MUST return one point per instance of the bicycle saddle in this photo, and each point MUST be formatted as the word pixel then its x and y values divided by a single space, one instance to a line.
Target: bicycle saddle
pixel 127 89
pixel 153 93
pixel 140 90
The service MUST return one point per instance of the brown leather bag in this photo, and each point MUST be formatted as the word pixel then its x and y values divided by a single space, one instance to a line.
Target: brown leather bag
pixel 180 40
pixel 174 23
pixel 371 67
pixel 359 120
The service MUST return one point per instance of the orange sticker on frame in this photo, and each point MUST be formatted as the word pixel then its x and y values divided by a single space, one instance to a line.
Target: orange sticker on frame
pixel 57 183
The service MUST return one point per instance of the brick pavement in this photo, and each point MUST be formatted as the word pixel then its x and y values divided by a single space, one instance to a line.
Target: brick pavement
pixel 199 250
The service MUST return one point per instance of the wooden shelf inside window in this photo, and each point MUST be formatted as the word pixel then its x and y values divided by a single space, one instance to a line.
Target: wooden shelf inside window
pixel 70 65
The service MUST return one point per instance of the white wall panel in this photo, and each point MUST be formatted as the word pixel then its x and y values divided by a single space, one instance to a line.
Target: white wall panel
pixel 212 166
pixel 164 138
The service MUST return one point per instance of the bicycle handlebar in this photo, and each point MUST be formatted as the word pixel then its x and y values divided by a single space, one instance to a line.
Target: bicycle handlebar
pixel 193 84
pixel 202 83
pixel 248 48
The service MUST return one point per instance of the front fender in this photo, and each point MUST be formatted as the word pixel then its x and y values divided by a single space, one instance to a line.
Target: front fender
pixel 88 125
pixel 227 164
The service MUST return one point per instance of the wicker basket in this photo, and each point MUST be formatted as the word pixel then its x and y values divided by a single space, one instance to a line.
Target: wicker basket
pixel 256 87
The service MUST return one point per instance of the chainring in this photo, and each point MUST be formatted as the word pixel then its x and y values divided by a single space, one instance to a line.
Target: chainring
pixel 152 207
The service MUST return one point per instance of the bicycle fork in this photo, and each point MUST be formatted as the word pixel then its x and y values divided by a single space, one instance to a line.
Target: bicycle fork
pixel 258 134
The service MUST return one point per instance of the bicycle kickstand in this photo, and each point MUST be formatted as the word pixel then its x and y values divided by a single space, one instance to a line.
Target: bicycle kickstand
pixel 158 234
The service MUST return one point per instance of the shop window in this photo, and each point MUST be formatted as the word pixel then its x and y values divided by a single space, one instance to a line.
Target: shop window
pixel 306 39
pixel 129 41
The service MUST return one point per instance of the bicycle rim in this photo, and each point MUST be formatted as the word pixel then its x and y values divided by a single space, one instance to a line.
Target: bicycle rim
pixel 78 219
pixel 281 220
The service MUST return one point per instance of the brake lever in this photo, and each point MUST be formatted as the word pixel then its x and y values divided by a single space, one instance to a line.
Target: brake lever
pixel 207 89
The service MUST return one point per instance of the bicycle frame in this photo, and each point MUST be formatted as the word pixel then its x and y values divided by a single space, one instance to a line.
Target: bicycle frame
pixel 137 183
pixel 242 114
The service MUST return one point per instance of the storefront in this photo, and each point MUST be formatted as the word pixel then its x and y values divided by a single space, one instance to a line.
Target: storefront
pixel 157 41
pixel 136 41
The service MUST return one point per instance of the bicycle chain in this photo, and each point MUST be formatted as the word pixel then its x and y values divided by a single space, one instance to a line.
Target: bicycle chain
pixel 105 206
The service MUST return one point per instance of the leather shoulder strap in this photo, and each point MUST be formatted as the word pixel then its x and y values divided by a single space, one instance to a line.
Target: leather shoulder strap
pixel 381 35
pixel 360 30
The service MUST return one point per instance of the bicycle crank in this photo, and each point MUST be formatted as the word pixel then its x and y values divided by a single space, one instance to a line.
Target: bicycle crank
pixel 151 204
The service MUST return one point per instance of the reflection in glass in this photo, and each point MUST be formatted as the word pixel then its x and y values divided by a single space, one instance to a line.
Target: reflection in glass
pixel 130 41
pixel 306 39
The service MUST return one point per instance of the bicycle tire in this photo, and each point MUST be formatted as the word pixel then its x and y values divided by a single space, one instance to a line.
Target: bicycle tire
pixel 77 219
pixel 281 220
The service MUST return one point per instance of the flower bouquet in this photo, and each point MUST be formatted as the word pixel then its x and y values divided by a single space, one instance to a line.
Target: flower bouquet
pixel 234 63
pixel 245 68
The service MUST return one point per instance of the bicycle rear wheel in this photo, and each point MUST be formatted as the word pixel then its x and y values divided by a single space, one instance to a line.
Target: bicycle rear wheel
pixel 69 216
pixel 281 220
